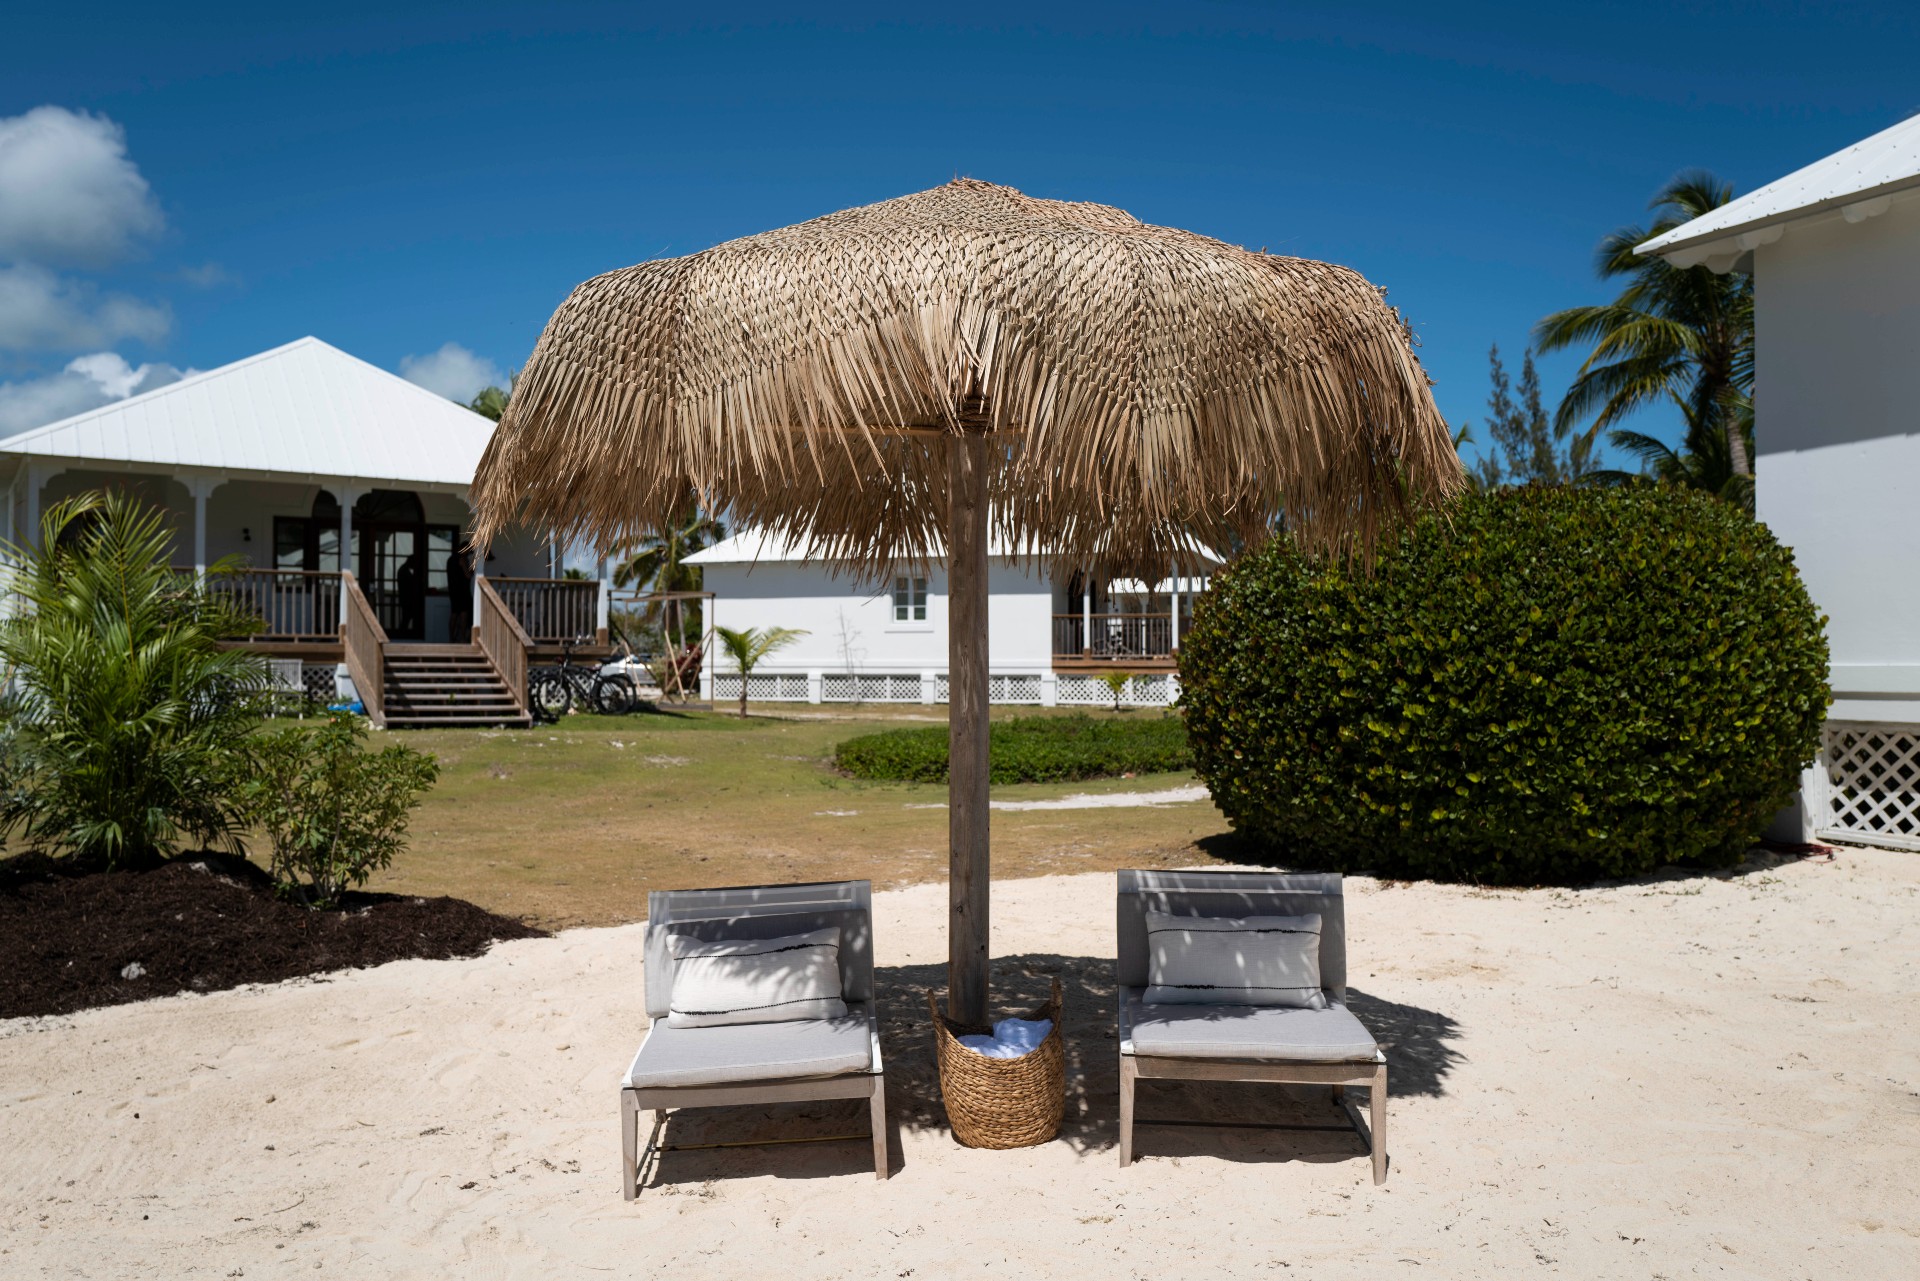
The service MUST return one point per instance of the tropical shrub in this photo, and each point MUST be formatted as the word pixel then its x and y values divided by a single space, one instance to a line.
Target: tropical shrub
pixel 1028 749
pixel 333 812
pixel 1540 685
pixel 125 720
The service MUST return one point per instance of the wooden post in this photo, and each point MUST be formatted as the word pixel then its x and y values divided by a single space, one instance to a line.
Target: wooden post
pixel 967 845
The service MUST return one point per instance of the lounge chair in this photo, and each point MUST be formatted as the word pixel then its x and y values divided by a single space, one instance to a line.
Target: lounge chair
pixel 765 1062
pixel 1226 1042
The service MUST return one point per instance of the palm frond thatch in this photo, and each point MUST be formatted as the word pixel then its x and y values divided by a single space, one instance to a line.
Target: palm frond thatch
pixel 1142 387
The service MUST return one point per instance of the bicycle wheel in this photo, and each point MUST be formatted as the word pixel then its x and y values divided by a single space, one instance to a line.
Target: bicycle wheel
pixel 548 695
pixel 613 695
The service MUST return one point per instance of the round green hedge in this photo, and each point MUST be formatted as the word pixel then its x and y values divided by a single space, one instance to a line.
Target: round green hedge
pixel 1541 685
pixel 1028 749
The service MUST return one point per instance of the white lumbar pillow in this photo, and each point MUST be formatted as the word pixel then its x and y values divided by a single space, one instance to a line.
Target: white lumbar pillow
pixel 1250 960
pixel 717 982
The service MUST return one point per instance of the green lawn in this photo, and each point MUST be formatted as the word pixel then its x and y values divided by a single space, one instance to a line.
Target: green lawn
pixel 573 824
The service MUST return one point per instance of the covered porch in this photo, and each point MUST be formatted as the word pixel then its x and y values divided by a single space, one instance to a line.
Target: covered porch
pixel 1122 624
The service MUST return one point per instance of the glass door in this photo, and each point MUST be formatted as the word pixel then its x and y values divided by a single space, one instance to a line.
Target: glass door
pixel 394 576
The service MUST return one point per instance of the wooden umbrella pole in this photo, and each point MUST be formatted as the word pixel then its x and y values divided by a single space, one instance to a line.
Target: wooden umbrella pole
pixel 967 885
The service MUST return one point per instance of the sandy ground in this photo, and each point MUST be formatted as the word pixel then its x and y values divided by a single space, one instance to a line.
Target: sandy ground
pixel 1686 1077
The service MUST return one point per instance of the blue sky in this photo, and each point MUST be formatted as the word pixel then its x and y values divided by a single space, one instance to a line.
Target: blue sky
pixel 395 179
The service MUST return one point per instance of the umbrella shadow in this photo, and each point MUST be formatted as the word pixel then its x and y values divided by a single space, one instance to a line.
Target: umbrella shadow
pixel 1418 1042
pixel 1310 1127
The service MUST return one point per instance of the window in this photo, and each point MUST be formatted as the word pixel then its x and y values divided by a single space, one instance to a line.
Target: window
pixel 441 540
pixel 301 543
pixel 909 600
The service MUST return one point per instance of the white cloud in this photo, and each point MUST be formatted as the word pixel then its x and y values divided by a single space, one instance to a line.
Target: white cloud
pixel 453 372
pixel 87 382
pixel 40 311
pixel 68 193
pixel 210 276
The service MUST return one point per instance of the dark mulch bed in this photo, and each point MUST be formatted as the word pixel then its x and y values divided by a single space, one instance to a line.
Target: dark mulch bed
pixel 197 924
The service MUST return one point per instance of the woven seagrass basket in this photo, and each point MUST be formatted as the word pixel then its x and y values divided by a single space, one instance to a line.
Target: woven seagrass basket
pixel 1001 1103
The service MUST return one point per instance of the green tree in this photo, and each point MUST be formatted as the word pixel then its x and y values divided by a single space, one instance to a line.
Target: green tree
pixel 1528 448
pixel 656 563
pixel 1674 335
pixel 748 647
pixel 491 402
pixel 128 722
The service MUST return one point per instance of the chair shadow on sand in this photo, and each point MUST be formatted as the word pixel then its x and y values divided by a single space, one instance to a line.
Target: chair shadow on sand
pixel 1418 1042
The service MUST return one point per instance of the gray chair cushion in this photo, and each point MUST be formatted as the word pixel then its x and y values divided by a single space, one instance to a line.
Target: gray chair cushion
pixel 1269 1033
pixel 761 912
pixel 752 1052
pixel 717 982
pixel 1189 892
pixel 1234 960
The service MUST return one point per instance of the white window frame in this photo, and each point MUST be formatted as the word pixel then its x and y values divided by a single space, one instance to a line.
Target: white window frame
pixel 907 604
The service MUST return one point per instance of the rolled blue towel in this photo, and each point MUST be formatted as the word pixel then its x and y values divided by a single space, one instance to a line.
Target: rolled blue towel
pixel 1011 1039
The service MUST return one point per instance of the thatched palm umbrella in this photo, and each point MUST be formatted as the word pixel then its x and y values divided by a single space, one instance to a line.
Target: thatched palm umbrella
pixel 889 381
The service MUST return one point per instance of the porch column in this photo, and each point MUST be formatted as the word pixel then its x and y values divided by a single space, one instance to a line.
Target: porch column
pixel 201 487
pixel 1086 614
pixel 604 610
pixel 348 496
pixel 1176 606
pixel 38 474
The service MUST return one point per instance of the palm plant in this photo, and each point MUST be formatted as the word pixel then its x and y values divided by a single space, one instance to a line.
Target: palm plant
pixel 749 646
pixel 1678 335
pixel 127 721
pixel 656 562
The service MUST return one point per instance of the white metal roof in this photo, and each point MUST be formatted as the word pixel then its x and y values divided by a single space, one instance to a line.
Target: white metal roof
pixel 758 546
pixel 303 410
pixel 1855 183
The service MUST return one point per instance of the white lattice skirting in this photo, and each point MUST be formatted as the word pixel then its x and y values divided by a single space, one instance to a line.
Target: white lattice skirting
pixel 1028 688
pixel 1870 776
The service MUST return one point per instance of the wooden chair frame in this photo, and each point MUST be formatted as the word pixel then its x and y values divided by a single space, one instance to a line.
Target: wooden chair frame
pixel 669 907
pixel 662 1099
pixel 1308 892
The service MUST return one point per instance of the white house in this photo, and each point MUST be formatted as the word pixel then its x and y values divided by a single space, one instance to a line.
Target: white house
pixel 283 459
pixel 1050 633
pixel 1834 249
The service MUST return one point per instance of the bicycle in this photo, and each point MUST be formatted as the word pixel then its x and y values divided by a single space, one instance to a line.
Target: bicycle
pixel 553 691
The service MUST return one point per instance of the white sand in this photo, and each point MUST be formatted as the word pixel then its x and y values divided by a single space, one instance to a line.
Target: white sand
pixel 1689 1077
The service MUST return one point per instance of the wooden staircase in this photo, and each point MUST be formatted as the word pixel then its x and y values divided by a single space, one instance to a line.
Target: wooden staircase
pixel 433 685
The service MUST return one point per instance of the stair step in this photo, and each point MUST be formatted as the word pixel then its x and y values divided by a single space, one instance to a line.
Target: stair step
pixel 431 722
pixel 478 682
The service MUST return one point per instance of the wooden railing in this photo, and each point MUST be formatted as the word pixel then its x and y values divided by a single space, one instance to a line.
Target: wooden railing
pixel 503 640
pixel 1113 637
pixel 293 604
pixel 365 643
pixel 552 610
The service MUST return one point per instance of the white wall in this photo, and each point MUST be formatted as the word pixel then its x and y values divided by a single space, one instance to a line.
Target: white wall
pixel 842 615
pixel 1837 428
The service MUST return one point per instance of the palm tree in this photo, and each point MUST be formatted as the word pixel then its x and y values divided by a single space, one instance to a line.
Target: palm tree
pixel 748 647
pixel 128 724
pixel 656 562
pixel 1682 335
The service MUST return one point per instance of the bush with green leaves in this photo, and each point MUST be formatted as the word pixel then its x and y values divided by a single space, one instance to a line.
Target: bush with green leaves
pixel 126 720
pixel 333 812
pixel 1028 749
pixel 1540 685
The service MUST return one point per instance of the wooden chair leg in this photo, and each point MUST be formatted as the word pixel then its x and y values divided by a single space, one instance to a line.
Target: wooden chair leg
pixel 629 1145
pixel 878 1108
pixel 1339 1092
pixel 1377 1118
pixel 1129 1073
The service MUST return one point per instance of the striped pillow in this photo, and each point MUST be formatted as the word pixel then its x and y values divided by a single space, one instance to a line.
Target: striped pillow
pixel 1252 960
pixel 717 982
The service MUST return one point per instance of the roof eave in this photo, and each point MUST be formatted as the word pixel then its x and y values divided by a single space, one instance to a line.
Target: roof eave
pixel 1743 237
